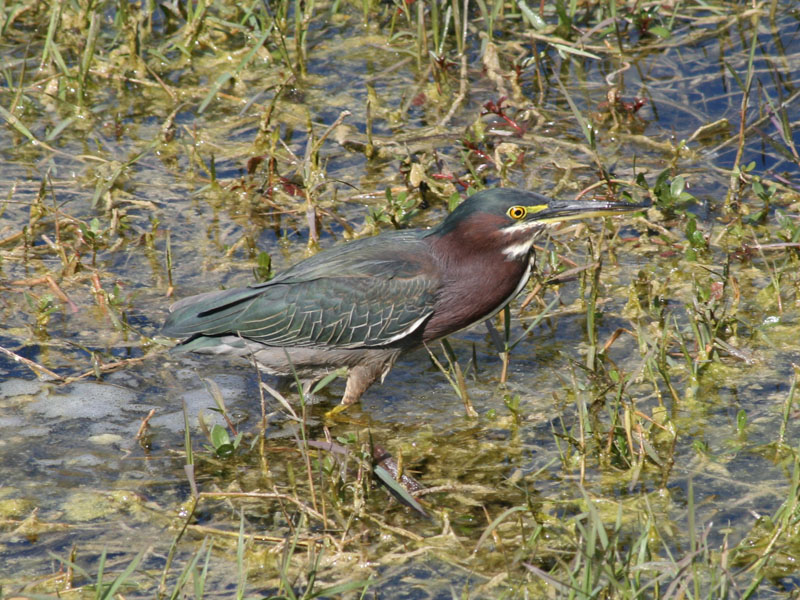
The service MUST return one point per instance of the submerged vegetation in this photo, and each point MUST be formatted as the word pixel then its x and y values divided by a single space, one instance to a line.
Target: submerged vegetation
pixel 625 429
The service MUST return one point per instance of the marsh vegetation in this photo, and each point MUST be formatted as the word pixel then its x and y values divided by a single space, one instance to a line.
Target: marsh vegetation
pixel 630 428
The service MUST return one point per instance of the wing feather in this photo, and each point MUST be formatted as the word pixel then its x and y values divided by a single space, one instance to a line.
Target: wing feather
pixel 366 293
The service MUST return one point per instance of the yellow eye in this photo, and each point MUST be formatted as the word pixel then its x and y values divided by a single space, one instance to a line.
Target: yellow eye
pixel 517 212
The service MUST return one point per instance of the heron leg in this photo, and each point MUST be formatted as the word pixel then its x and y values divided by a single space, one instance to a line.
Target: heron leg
pixel 358 380
pixel 360 377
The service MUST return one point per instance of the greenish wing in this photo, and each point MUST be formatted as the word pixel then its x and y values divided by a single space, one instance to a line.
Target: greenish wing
pixel 366 293
pixel 336 311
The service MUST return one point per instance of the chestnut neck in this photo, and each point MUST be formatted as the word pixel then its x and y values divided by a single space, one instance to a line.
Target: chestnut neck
pixel 478 279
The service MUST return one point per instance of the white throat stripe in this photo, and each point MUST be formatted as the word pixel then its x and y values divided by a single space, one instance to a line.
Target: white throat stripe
pixel 518 250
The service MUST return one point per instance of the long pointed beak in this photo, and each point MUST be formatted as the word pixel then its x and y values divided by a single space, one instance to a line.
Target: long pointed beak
pixel 568 210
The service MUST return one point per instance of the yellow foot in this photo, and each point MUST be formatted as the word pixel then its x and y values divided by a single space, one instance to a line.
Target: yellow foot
pixel 336 415
pixel 339 408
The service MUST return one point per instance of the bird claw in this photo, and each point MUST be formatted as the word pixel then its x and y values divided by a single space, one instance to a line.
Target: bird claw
pixel 334 413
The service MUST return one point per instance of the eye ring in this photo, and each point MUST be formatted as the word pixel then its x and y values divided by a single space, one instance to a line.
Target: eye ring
pixel 517 212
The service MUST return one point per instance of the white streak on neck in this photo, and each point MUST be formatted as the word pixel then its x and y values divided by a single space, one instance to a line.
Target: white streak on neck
pixel 523 226
pixel 518 250
pixel 522 248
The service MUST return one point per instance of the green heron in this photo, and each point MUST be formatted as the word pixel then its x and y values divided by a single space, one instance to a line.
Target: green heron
pixel 362 304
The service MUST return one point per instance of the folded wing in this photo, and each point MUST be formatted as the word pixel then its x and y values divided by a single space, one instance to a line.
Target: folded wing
pixel 360 294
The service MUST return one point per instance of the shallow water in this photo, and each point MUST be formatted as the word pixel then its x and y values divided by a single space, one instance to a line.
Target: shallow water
pixel 72 464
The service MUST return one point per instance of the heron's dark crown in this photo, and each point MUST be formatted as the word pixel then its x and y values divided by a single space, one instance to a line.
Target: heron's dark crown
pixel 520 213
pixel 495 202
